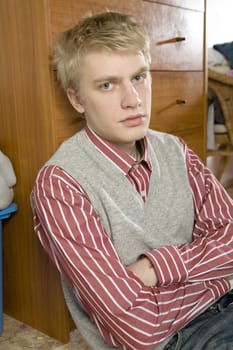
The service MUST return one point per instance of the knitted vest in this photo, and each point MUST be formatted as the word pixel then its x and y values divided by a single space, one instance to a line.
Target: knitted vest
pixel 165 218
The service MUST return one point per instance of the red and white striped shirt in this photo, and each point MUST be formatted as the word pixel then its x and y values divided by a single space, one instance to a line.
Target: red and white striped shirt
pixel 191 276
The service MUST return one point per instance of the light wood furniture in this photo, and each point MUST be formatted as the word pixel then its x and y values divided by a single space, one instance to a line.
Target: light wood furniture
pixel 36 118
pixel 222 86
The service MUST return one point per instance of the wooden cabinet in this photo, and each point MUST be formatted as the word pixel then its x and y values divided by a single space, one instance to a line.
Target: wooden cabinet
pixel 36 117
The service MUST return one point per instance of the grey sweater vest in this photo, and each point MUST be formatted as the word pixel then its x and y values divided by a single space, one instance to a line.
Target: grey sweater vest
pixel 167 216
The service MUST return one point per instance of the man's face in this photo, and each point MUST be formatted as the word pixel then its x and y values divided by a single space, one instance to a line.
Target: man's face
pixel 115 95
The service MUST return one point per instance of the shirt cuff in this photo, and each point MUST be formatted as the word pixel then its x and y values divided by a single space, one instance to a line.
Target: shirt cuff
pixel 168 265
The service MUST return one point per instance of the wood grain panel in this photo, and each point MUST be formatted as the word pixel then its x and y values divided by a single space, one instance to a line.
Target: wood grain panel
pixel 32 291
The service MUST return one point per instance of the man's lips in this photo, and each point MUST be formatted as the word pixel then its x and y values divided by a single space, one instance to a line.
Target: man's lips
pixel 134 120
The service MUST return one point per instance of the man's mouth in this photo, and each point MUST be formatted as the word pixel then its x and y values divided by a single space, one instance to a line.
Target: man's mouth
pixel 134 120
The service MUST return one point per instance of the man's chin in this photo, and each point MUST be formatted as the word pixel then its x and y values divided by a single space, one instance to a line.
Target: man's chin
pixel 138 133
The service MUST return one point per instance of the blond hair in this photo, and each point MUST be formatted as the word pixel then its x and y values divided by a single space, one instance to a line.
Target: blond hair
pixel 108 31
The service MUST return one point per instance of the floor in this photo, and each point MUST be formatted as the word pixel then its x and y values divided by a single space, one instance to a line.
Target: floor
pixel 19 336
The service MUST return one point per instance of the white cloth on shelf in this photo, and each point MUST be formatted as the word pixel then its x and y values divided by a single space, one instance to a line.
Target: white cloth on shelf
pixel 7 181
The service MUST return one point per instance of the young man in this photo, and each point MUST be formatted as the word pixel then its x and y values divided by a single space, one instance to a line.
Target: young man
pixel 139 229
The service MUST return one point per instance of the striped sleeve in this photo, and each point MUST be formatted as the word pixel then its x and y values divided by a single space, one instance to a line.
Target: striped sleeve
pixel 128 314
pixel 210 255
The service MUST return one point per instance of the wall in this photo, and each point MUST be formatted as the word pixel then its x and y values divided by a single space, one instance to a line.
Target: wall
pixel 219 21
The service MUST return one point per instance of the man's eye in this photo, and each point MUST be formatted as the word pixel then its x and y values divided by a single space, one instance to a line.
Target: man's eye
pixel 139 78
pixel 106 86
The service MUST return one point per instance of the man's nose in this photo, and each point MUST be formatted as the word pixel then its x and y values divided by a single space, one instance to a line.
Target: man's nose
pixel 130 97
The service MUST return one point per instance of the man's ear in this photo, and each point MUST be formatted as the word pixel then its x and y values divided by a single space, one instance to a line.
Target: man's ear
pixel 75 100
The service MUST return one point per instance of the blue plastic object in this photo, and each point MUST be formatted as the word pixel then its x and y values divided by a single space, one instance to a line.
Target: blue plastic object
pixel 4 214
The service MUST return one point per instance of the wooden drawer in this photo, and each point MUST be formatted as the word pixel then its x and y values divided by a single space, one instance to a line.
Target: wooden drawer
pixel 178 106
pixel 176 34
pixel 177 38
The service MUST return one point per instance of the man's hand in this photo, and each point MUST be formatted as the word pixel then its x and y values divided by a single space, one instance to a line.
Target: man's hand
pixel 143 269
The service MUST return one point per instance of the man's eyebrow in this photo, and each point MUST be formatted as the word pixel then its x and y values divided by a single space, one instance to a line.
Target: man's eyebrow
pixel 116 78
pixel 141 70
pixel 106 78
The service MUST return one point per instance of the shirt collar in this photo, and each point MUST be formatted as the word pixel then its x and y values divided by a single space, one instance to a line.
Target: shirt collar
pixel 121 159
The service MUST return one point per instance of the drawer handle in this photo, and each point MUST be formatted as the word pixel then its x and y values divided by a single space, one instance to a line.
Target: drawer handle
pixel 172 40
pixel 180 102
pixel 180 38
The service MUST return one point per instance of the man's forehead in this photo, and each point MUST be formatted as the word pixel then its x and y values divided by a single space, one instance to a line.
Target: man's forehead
pixel 113 64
